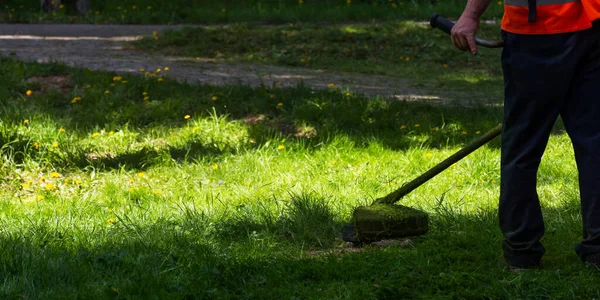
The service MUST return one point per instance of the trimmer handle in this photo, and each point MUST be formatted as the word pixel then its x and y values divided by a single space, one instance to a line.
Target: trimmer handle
pixel 446 25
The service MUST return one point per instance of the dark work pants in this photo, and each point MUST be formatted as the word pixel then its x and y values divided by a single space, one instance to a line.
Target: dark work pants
pixel 546 76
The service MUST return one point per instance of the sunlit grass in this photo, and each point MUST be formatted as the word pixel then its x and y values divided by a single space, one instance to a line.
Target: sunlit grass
pixel 117 196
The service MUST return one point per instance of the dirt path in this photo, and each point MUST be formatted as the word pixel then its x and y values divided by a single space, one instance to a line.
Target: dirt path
pixel 101 47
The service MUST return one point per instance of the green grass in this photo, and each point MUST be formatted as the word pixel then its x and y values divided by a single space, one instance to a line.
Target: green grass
pixel 400 49
pixel 235 201
pixel 211 12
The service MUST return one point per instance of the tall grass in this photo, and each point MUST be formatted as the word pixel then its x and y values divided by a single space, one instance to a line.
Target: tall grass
pixel 121 196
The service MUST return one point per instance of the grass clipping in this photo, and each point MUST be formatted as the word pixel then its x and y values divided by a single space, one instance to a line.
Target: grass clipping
pixel 380 221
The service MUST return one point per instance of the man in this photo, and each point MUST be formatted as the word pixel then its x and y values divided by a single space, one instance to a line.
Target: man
pixel 551 65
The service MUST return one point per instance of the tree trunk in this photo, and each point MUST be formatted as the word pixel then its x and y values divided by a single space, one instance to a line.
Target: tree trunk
pixel 50 5
pixel 81 6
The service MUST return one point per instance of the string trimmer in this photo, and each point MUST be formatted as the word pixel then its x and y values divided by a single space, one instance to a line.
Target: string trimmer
pixel 384 220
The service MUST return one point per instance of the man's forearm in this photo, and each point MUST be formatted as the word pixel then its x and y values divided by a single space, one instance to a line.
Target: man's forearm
pixel 476 8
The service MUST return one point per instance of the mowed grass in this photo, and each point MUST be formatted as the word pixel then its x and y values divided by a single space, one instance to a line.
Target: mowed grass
pixel 120 195
pixel 400 49
pixel 215 12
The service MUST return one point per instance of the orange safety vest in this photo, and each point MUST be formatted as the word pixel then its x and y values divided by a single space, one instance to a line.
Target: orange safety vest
pixel 549 16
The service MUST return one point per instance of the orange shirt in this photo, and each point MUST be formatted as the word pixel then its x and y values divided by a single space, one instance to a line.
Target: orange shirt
pixel 553 16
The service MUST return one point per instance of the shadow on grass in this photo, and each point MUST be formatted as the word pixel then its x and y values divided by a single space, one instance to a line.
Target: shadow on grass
pixel 300 116
pixel 246 256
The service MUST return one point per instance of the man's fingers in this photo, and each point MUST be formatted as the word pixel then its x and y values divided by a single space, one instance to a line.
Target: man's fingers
pixel 455 41
pixel 458 42
pixel 472 45
pixel 462 43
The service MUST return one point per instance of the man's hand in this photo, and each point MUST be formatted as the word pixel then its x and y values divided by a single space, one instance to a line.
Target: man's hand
pixel 463 33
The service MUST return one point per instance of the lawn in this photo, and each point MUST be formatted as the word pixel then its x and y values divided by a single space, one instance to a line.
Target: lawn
pixel 215 12
pixel 399 49
pixel 141 187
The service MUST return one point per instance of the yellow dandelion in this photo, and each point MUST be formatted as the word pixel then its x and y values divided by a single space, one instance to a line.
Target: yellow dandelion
pixel 111 220
pixel 407 59
pixel 279 104
pixel 464 132
pixel 25 185
pixel 131 180
pixel 417 125
pixel 158 70
pixel 445 65
pixel 160 79
pixel 348 94
pixel 55 144
pixel 111 132
pixel 166 68
pixel 214 98
pixel 187 117
pixel 195 128
pixel 39 198
pixel 124 81
pixel 25 121
pixel 50 186
pixel 477 132
pixel 499 2
pixel 28 93
pixel 107 92
pixel 134 7
pixel 112 84
pixel 89 86
pixel 331 85
pixel 54 175
pixel 403 127
pixel 95 134
pixel 429 154
pixel 36 144
pixel 78 181
pixel 215 166
pixel 117 78
pixel 280 147
pixel 142 70
pixel 146 98
pixel 144 94
pixel 76 99
pixel 140 174
pixel 131 189
pixel 61 6
pixel 158 192
pixel 61 130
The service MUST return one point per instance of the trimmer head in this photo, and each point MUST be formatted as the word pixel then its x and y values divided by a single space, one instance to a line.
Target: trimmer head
pixel 383 221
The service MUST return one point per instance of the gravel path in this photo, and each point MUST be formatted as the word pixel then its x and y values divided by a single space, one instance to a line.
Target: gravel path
pixel 102 47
